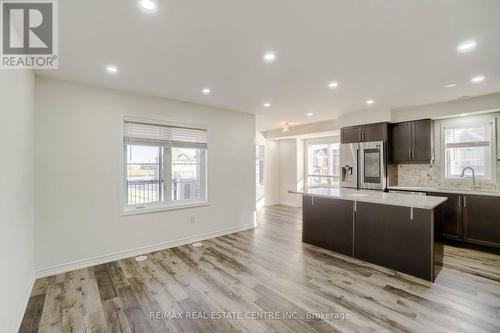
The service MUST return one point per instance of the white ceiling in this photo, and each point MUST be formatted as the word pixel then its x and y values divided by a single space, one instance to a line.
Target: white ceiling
pixel 398 52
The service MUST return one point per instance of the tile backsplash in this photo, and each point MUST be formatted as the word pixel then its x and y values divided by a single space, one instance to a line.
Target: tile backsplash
pixel 429 175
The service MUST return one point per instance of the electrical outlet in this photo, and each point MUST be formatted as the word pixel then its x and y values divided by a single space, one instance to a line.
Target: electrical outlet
pixel 192 219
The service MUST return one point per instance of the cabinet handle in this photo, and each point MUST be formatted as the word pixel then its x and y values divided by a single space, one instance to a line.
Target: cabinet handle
pixel 413 153
pixel 459 201
pixel 465 201
pixel 409 154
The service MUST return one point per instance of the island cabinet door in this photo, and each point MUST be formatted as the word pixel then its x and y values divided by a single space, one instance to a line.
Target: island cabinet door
pixel 328 223
pixel 481 216
pixel 390 236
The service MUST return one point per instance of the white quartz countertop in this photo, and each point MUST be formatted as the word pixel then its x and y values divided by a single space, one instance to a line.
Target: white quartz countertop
pixel 378 197
pixel 443 190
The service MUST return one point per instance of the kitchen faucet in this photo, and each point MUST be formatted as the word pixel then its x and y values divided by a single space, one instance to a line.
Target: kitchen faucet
pixel 473 176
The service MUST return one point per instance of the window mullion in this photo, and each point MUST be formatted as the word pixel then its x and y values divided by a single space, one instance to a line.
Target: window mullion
pixel 203 173
pixel 167 167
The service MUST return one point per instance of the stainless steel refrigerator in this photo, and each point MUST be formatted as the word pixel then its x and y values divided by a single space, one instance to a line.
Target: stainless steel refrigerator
pixel 363 165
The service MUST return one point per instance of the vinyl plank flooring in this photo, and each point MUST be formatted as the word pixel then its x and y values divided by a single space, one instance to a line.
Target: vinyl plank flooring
pixel 267 270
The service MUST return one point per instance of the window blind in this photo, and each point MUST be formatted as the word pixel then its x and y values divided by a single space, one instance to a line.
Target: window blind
pixel 468 136
pixel 137 133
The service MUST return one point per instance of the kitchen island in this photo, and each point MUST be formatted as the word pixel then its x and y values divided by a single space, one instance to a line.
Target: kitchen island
pixel 393 230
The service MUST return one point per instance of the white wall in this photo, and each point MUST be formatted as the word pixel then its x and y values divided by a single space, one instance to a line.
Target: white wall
pixel 272 176
pixel 16 197
pixel 290 171
pixel 370 115
pixel 445 109
pixel 78 164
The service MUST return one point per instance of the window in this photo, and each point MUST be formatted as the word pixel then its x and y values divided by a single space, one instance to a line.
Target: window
pixel 143 174
pixel 469 145
pixel 259 163
pixel 323 164
pixel 186 174
pixel 165 164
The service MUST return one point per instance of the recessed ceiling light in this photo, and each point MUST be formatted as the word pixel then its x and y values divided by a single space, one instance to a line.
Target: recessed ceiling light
pixel 148 6
pixel 141 258
pixel 450 85
pixel 466 46
pixel 333 85
pixel 111 69
pixel 370 101
pixel 269 57
pixel 310 114
pixel 267 104
pixel 206 91
pixel 477 79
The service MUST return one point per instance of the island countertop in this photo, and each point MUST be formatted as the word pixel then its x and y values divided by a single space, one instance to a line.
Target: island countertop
pixel 378 197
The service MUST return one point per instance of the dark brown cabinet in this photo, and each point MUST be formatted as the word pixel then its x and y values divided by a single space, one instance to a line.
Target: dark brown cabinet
pixel 411 141
pixel 448 216
pixel 395 237
pixel 401 142
pixel 328 223
pixel 350 134
pixel 365 133
pixel 481 218
pixel 400 238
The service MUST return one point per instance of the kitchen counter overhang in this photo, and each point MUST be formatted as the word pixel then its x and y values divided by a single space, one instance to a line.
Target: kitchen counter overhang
pixel 378 197
pixel 388 229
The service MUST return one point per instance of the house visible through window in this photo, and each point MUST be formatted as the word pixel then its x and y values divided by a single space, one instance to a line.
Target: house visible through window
pixel 165 164
pixel 469 145
pixel 186 173
pixel 323 164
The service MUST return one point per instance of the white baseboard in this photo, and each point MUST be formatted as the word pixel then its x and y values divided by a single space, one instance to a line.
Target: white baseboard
pixel 71 266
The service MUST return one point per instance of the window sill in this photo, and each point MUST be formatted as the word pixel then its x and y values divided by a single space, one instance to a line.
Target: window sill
pixel 159 208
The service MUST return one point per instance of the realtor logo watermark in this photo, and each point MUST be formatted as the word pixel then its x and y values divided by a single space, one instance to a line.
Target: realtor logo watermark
pixel 29 34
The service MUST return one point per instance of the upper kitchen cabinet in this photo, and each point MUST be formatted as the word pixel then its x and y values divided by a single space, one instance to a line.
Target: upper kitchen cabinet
pixel 401 142
pixel 365 133
pixel 350 134
pixel 412 142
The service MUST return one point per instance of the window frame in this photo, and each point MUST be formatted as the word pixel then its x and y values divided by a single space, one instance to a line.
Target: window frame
pixel 260 164
pixel 469 122
pixel 319 141
pixel 166 202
